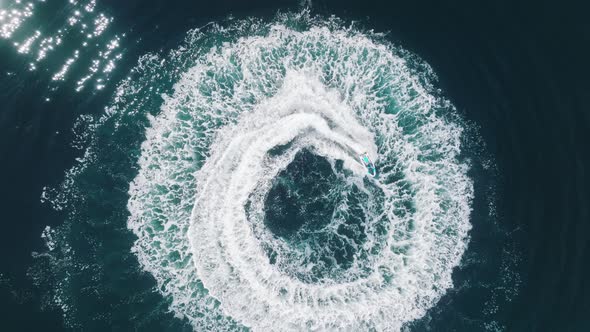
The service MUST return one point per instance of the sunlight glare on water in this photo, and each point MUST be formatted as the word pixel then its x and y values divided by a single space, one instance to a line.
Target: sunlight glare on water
pixel 79 39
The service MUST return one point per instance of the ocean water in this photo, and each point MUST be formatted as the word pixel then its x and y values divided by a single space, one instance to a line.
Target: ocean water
pixel 174 166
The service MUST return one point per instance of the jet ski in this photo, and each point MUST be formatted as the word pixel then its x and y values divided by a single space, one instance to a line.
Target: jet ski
pixel 365 160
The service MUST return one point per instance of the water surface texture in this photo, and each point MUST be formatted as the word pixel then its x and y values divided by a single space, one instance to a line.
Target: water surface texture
pixel 179 167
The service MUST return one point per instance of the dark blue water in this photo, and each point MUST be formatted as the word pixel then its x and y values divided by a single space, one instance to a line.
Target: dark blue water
pixel 517 70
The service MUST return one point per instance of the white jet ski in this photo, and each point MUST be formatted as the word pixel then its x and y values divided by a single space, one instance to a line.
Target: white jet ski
pixel 368 164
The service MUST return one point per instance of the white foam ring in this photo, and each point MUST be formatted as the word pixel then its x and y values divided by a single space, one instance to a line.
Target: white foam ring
pixel 335 92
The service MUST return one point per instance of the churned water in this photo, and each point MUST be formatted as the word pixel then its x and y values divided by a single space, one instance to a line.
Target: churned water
pixel 217 183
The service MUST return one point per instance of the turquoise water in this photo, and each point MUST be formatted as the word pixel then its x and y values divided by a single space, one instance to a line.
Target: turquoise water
pixel 221 187
pixel 248 97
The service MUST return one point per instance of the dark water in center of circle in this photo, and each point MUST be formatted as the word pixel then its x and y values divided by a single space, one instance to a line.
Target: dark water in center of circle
pixel 517 69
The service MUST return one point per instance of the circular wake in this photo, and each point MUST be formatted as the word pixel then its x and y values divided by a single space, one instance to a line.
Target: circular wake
pixel 251 205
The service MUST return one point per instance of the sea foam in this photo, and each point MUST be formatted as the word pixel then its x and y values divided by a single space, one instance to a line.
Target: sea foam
pixel 210 159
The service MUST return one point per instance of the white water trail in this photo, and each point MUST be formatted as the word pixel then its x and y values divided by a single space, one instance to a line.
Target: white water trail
pixel 211 152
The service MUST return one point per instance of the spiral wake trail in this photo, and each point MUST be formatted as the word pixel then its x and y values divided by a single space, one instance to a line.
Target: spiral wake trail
pixel 251 207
